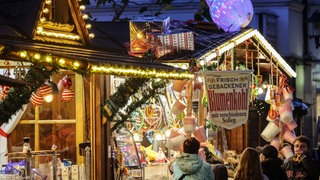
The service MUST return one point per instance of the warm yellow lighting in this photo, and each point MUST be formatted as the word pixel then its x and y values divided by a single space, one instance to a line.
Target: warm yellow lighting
pixel 43 19
pixel 147 73
pixel 240 39
pixel 37 56
pixel 92 35
pixel 85 16
pixel 45 10
pixel 48 58
pixel 82 7
pixel 76 64
pixel 62 61
pixel 55 34
pixel 139 35
pixel 39 29
pixel 23 54
pixel 88 26
pixel 48 2
pixel 48 98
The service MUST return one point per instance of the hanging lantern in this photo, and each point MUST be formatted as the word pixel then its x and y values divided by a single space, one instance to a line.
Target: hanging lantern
pixel 231 15
pixel 67 95
pixel 45 90
pixel 36 99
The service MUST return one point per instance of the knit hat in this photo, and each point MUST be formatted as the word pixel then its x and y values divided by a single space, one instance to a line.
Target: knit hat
pixel 269 151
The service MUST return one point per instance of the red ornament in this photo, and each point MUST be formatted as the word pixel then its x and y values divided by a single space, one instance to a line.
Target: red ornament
pixel 66 82
pixel 67 95
pixel 36 99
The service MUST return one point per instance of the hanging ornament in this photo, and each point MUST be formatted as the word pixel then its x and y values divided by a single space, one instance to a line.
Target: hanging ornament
pixel 36 98
pixel 231 15
pixel 4 92
pixel 67 95
pixel 45 90
pixel 66 82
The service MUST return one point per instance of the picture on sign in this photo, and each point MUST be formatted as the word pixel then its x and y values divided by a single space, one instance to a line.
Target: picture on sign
pixel 228 97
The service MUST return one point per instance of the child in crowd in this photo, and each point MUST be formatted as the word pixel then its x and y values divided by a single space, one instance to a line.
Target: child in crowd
pixel 299 166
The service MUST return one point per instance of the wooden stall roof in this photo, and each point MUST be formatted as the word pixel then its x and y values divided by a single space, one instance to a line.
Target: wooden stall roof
pixel 19 21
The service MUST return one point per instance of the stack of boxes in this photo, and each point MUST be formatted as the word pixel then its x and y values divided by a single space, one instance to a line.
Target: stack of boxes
pixel 153 34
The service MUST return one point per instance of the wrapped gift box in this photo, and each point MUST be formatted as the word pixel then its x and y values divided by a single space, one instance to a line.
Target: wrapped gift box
pixel 140 26
pixel 173 43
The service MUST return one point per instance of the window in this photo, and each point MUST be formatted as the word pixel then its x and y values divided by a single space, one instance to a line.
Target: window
pixel 50 123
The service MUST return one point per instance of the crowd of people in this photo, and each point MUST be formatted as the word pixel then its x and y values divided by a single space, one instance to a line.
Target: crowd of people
pixel 259 163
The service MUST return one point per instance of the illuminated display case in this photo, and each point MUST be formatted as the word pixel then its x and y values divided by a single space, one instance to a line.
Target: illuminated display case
pixel 124 139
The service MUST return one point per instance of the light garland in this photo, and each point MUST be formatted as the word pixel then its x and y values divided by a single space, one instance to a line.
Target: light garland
pixel 240 39
pixel 119 70
pixel 145 73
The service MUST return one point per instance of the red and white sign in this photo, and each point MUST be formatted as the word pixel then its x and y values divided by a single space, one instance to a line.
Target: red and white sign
pixel 228 97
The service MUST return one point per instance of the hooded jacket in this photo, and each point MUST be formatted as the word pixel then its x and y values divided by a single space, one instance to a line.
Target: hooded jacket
pixel 272 168
pixel 193 166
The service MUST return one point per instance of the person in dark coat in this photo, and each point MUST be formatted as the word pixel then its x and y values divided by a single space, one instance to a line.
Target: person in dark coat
pixel 271 164
pixel 300 166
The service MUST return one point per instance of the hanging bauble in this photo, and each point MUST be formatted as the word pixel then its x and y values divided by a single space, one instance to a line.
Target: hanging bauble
pixel 66 82
pixel 231 15
pixel 67 95
pixel 4 92
pixel 45 90
pixel 36 98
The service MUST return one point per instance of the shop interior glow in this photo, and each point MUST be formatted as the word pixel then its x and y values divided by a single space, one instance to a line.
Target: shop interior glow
pixel 251 33
pixel 231 15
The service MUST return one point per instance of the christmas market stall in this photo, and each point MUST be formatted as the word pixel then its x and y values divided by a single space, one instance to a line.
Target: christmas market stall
pixel 50 113
pixel 120 97
pixel 240 96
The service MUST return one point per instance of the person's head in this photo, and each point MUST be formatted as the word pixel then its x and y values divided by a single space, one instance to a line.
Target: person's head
pixel 249 167
pixel 191 145
pixel 268 152
pixel 301 145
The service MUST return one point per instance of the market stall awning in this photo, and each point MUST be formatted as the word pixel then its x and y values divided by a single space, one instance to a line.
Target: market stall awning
pixel 91 60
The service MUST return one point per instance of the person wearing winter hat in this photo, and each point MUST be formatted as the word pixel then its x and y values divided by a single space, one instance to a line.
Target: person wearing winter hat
pixel 271 164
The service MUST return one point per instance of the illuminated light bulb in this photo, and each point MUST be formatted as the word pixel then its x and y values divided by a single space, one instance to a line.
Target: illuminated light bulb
pixel 23 54
pixel 92 35
pixel 37 56
pixel 139 35
pixel 184 66
pixel 48 58
pixel 48 2
pixel 88 26
pixel 48 98
pixel 85 16
pixel 201 63
pixel 62 61
pixel 40 29
pixel 76 64
pixel 45 10
pixel 43 19
pixel 82 7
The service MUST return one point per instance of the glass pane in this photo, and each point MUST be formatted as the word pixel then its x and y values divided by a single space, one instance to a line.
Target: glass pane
pixel 15 141
pixel 63 136
pixel 59 108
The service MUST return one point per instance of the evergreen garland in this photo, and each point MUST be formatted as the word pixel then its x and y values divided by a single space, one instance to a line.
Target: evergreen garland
pixel 125 91
pixel 16 97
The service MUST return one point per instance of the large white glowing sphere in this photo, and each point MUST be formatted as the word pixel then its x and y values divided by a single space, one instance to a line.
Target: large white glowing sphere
pixel 231 15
